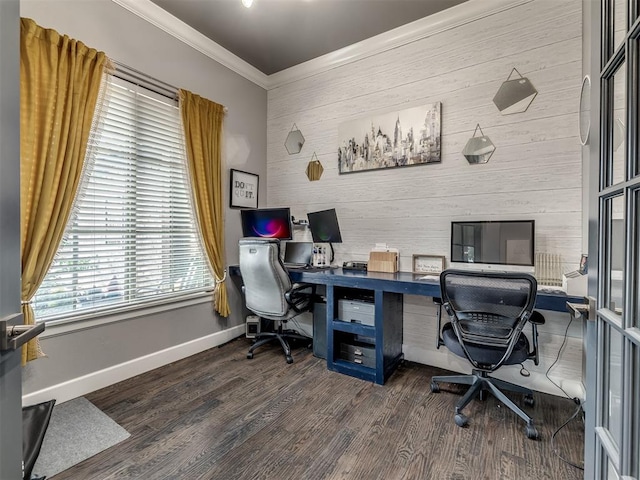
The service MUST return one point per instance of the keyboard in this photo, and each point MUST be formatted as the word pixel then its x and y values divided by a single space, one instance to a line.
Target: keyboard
pixel 296 265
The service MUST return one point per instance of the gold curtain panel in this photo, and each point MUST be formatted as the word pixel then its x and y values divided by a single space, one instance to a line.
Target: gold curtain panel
pixel 202 122
pixel 60 80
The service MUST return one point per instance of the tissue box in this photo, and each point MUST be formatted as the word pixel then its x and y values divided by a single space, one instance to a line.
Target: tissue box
pixel 383 262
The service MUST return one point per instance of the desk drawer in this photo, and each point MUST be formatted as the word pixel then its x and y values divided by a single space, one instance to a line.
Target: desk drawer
pixel 360 353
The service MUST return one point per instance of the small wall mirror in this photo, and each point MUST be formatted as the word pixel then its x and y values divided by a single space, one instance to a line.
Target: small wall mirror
pixel 294 141
pixel 314 169
pixel 478 149
pixel 515 94
pixel 585 110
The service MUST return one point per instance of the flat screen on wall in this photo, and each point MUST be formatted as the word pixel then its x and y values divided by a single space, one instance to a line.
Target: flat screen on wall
pixel 267 223
pixel 510 242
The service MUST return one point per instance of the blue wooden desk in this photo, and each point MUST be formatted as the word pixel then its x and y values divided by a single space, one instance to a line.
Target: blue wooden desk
pixel 409 283
pixel 386 290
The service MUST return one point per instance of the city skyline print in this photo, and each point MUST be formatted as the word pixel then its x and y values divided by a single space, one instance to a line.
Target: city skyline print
pixel 394 139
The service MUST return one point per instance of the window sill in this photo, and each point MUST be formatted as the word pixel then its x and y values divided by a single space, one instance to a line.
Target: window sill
pixel 85 321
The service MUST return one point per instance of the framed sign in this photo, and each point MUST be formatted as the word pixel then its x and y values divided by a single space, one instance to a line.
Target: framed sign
pixel 428 263
pixel 243 189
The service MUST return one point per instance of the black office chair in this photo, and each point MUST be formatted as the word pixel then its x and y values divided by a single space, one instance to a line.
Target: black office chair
pixel 488 312
pixel 269 292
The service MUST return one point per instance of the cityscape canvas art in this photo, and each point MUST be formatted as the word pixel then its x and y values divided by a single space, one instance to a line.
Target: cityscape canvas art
pixel 396 139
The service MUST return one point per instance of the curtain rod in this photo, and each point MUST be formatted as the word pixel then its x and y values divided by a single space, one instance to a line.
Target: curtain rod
pixel 130 74
pixel 139 78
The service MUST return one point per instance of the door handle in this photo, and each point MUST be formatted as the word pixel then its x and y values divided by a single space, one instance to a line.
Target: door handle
pixel 578 309
pixel 586 310
pixel 13 335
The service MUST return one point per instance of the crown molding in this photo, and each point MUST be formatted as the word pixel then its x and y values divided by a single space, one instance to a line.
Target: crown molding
pixel 459 15
pixel 453 17
pixel 162 19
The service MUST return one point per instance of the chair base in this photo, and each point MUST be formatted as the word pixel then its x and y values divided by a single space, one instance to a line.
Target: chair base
pixel 281 336
pixel 480 382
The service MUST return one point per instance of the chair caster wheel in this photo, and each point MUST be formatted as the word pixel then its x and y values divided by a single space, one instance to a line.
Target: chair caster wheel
pixel 482 395
pixel 435 388
pixel 249 356
pixel 289 359
pixel 529 401
pixel 531 432
pixel 461 420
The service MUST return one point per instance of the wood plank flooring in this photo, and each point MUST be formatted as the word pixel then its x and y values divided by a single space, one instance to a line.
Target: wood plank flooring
pixel 217 415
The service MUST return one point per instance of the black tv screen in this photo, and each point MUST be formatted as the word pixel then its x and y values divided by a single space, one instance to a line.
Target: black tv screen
pixel 509 242
pixel 324 226
pixel 267 223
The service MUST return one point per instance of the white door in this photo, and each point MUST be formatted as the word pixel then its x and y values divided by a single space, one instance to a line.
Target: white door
pixel 613 413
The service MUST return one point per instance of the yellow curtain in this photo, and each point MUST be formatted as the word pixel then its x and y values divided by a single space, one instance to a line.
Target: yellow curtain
pixel 59 83
pixel 202 123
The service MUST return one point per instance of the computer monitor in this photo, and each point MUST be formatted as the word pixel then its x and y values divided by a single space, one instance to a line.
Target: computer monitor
pixel 509 242
pixel 267 223
pixel 324 226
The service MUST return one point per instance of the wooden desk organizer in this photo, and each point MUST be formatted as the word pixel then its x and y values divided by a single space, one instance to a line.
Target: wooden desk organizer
pixel 383 262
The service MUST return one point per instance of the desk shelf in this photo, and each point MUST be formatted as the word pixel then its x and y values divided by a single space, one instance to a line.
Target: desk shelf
pixel 353 370
pixel 355 328
pixel 384 337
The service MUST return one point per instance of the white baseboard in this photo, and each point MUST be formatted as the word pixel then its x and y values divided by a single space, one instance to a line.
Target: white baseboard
pixel 536 381
pixel 77 387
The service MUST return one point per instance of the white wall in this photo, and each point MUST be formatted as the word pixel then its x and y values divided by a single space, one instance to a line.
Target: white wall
pixel 535 173
pixel 108 353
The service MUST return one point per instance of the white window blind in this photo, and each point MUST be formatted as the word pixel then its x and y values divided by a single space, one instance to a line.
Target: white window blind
pixel 132 237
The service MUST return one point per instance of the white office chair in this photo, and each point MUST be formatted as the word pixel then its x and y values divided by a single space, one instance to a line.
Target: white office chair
pixel 269 292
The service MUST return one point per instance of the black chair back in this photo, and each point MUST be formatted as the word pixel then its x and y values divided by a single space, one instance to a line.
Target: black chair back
pixel 488 311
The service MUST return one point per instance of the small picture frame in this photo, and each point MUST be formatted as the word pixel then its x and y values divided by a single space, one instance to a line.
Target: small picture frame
pixel 243 189
pixel 583 270
pixel 428 264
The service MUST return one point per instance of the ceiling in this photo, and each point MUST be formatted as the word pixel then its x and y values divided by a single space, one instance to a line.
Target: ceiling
pixel 274 35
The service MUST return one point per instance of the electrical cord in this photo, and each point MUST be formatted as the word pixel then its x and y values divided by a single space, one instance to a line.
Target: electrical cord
pixel 523 371
pixel 554 449
pixel 576 400
pixel 564 342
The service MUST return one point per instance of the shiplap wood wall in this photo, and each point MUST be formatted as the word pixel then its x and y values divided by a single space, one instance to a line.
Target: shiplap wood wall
pixel 535 172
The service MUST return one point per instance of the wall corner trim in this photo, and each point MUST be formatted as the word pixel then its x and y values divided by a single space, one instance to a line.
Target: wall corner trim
pixel 448 19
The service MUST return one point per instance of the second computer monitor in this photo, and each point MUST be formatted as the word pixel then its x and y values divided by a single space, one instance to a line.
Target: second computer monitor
pixel 267 222
pixel 324 226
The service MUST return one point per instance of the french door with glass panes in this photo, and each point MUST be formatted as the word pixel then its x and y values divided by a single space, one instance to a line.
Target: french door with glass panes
pixel 613 432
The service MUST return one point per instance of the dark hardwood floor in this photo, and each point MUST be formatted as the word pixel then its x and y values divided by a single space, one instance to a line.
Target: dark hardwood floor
pixel 217 415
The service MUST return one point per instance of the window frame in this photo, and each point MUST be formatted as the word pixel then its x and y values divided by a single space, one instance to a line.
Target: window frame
pixel 100 315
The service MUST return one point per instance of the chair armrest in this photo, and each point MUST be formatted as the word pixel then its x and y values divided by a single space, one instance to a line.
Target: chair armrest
pixel 439 339
pixel 299 296
pixel 536 318
pixel 299 287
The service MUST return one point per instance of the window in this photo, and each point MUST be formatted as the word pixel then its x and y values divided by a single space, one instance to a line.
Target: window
pixel 132 237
